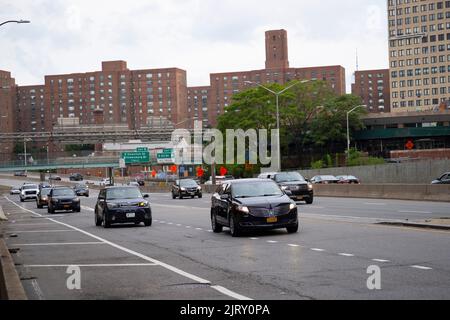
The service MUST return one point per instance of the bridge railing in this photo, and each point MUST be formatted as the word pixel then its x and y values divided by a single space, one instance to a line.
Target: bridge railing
pixel 60 162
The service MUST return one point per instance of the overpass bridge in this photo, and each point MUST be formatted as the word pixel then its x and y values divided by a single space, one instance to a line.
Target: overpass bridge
pixel 63 163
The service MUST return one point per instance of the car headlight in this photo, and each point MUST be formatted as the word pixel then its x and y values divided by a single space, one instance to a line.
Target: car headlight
pixel 243 209
pixel 199 188
pixel 183 189
pixel 76 199
pixel 112 205
pixel 284 188
pixel 143 204
pixel 310 186
pixel 44 198
pixel 292 206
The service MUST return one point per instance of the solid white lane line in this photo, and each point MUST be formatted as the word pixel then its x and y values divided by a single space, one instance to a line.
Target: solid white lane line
pixel 31 224
pixel 380 260
pixel 90 265
pixel 421 268
pixel 312 215
pixel 317 249
pixel 229 293
pixel 56 244
pixel 346 254
pixel 160 263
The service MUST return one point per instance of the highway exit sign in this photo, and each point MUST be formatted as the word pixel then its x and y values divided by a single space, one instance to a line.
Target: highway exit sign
pixel 136 157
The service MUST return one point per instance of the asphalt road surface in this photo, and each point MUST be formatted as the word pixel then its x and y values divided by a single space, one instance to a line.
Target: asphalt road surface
pixel 179 257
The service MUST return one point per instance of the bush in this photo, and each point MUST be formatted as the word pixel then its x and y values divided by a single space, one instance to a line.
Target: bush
pixel 317 164
pixel 356 158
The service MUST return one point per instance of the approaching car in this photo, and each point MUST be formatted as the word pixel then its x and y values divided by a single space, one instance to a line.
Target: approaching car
pixel 252 204
pixel 63 198
pixel 81 190
pixel 324 179
pixel 300 189
pixel 42 198
pixel 28 191
pixel 444 179
pixel 76 177
pixel 20 174
pixel 14 191
pixel 106 182
pixel 54 177
pixel 186 188
pixel 44 185
pixel 348 180
pixel 122 205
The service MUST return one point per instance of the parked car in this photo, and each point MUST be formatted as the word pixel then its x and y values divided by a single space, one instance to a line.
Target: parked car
pixel 54 177
pixel 122 205
pixel 42 198
pixel 63 198
pixel 219 180
pixel 186 188
pixel 20 174
pixel 444 179
pixel 324 180
pixel 81 190
pixel 348 180
pixel 28 191
pixel 14 191
pixel 76 177
pixel 300 189
pixel 252 204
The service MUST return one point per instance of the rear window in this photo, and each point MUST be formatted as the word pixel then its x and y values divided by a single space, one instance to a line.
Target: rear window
pixel 63 193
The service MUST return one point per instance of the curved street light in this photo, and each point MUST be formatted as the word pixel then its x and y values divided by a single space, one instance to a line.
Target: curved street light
pixel 15 21
pixel 277 95
pixel 348 127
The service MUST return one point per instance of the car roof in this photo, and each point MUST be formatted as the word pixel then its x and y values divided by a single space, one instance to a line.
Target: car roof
pixel 247 181
pixel 120 187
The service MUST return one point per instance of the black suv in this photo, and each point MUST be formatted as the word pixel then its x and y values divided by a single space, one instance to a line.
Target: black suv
pixel 63 198
pixel 299 188
pixel 186 188
pixel 76 177
pixel 252 203
pixel 81 190
pixel 122 205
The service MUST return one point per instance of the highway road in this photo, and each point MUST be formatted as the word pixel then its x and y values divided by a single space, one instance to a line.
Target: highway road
pixel 180 258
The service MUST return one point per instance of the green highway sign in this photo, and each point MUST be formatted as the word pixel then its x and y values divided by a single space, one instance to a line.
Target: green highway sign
pixel 164 156
pixel 170 151
pixel 136 157
pixel 142 149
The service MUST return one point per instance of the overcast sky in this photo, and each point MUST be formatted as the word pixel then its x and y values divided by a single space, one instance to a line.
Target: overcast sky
pixel 200 36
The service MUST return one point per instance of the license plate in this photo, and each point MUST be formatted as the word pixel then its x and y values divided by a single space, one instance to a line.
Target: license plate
pixel 131 215
pixel 272 220
pixel 66 206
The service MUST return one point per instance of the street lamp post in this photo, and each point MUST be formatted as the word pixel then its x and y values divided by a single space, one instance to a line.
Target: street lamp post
pixel 15 21
pixel 348 127
pixel 277 99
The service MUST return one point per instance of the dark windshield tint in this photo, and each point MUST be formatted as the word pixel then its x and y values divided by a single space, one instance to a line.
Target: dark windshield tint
pixel 63 193
pixel 29 187
pixel 256 189
pixel 188 183
pixel 289 177
pixel 45 192
pixel 123 193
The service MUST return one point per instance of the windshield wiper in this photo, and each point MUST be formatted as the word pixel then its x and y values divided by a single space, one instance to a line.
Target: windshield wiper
pixel 271 195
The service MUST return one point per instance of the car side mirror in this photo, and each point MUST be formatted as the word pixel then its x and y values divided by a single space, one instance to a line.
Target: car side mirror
pixel 225 197
pixel 146 195
pixel 288 192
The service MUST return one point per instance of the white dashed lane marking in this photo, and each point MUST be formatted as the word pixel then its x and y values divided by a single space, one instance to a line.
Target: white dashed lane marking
pixel 421 268
pixel 346 254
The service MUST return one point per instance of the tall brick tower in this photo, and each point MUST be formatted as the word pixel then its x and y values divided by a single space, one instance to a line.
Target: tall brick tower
pixel 277 49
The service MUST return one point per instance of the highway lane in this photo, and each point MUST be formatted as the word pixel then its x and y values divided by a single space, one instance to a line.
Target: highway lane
pixel 327 259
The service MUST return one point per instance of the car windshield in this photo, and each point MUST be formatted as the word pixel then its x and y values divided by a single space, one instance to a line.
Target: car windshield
pixel 28 187
pixel 63 193
pixel 328 178
pixel 45 192
pixel 188 183
pixel 256 189
pixel 289 177
pixel 123 193
pixel 80 186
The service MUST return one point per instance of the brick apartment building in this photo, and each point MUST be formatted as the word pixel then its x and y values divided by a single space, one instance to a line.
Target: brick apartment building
pixel 373 88
pixel 7 103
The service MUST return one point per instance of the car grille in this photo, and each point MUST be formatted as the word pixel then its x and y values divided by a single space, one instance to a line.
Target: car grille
pixel 125 205
pixel 65 202
pixel 267 212
pixel 30 192
pixel 191 189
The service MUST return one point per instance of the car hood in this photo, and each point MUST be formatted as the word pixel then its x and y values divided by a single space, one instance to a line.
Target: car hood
pixel 293 183
pixel 126 201
pixel 436 182
pixel 65 198
pixel 264 202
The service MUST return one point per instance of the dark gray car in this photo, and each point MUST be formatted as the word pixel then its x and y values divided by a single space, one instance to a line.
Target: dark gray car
pixel 444 179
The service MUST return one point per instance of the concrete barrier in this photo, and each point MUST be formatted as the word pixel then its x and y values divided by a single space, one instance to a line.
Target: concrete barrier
pixel 10 286
pixel 386 191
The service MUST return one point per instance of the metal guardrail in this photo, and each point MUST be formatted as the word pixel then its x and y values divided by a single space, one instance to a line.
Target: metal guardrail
pixel 65 163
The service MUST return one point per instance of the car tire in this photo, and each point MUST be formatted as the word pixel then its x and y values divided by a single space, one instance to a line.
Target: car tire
pixel 39 206
pixel 106 224
pixel 174 196
pixel 77 210
pixel 98 221
pixel 292 229
pixel 234 227
pixel 192 197
pixel 200 196
pixel 181 197
pixel 310 200
pixel 148 222
pixel 21 200
pixel 49 210
pixel 217 228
